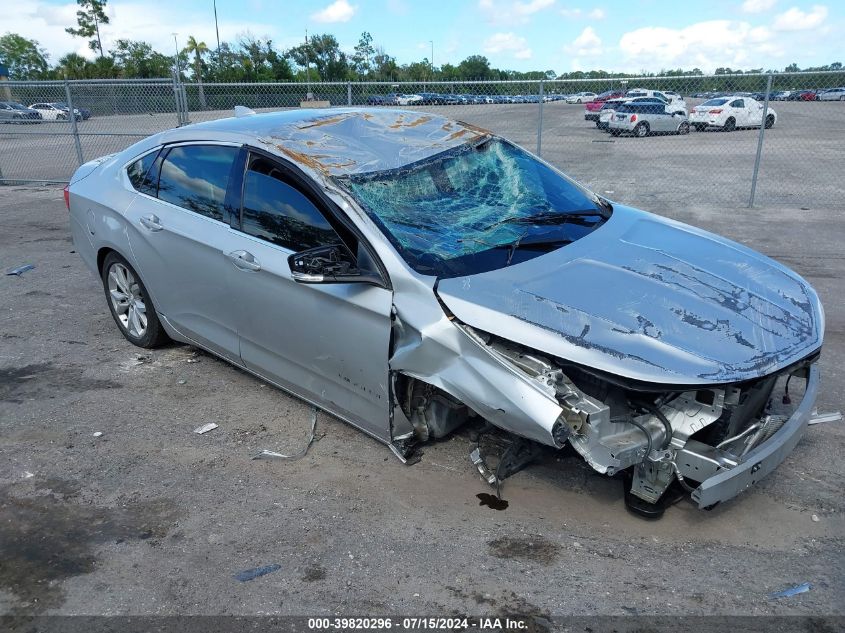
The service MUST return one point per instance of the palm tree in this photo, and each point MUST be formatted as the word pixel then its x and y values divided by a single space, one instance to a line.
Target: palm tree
pixel 198 49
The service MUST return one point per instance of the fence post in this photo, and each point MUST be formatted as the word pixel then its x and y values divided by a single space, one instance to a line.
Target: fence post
pixel 73 128
pixel 760 141
pixel 540 123
pixel 349 93
pixel 177 100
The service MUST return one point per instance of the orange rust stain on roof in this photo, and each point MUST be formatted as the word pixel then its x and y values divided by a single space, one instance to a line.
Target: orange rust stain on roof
pixel 331 121
pixel 475 128
pixel 457 134
pixel 400 122
pixel 313 160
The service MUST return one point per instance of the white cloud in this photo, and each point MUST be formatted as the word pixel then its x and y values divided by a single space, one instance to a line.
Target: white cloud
pixel 705 45
pixel 797 20
pixel 338 11
pixel 577 14
pixel 587 44
pixel 757 6
pixel 507 43
pixel 510 11
pixel 44 22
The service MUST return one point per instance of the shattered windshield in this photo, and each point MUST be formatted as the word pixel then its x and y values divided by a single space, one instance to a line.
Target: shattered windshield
pixel 476 208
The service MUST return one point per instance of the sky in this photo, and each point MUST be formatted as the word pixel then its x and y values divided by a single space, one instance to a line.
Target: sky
pixel 559 35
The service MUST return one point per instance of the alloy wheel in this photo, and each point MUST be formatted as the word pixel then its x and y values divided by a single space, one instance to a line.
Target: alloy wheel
pixel 127 300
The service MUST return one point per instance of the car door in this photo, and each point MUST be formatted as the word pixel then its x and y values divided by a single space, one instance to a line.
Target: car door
pixel 738 112
pixel 179 228
pixel 754 112
pixel 329 343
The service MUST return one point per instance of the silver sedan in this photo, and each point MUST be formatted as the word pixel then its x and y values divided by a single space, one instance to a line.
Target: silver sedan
pixel 406 272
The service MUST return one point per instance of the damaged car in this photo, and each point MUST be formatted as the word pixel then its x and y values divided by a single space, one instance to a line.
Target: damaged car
pixel 406 273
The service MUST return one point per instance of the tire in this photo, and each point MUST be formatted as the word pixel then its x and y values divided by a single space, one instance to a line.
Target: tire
pixel 579 101
pixel 641 130
pixel 770 121
pixel 683 128
pixel 128 299
pixel 730 125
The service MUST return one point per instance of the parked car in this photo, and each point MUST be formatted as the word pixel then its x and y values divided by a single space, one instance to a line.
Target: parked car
pixel 592 108
pixel 412 99
pixel 85 113
pixel 642 119
pixel 13 112
pixel 832 94
pixel 55 112
pixel 730 113
pixel 672 98
pixel 310 248
pixel 581 97
pixel 609 108
pixel 780 95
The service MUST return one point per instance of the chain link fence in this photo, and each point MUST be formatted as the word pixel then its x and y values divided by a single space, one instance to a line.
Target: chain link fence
pixel 726 158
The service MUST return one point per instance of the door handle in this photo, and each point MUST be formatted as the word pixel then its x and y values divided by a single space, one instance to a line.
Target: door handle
pixel 244 260
pixel 151 222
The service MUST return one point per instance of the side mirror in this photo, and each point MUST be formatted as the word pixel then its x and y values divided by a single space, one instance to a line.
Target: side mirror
pixel 332 264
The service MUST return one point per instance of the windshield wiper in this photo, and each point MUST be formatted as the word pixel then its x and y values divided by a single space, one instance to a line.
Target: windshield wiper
pixel 547 218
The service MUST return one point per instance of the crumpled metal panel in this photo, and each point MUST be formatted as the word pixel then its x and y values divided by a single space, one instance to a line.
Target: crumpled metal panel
pixel 344 141
pixel 652 300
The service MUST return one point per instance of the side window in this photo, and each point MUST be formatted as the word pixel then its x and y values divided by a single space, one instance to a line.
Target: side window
pixel 278 212
pixel 142 175
pixel 737 103
pixel 195 178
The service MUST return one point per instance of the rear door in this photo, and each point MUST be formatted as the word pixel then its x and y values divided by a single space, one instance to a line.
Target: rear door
pixel 179 232
pixel 326 342
pixel 739 112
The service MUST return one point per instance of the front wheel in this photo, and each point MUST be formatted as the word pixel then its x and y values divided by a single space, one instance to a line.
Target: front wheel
pixel 61 117
pixel 770 121
pixel 130 304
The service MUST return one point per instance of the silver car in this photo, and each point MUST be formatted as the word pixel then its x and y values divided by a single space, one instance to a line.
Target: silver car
pixel 642 119
pixel 406 272
pixel 13 112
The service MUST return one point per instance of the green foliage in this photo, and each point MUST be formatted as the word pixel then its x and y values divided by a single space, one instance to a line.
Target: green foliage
pixel 89 18
pixel 24 58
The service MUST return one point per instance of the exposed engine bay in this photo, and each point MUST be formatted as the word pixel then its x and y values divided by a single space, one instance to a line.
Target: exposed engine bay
pixel 651 435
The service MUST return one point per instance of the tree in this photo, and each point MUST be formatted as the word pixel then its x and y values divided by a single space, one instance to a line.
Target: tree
pixel 324 51
pixel 364 51
pixel 74 66
pixel 198 49
pixel 139 60
pixel 474 67
pixel 89 18
pixel 24 58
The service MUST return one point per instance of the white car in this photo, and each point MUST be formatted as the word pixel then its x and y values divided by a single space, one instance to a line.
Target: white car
pixel 609 108
pixel 833 94
pixel 671 98
pixel 408 99
pixel 730 113
pixel 581 97
pixel 54 112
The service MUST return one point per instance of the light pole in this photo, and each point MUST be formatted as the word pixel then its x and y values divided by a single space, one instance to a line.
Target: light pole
pixel 178 67
pixel 217 30
pixel 432 56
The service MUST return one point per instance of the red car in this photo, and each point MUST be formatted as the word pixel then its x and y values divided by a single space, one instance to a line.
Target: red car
pixel 809 95
pixel 591 109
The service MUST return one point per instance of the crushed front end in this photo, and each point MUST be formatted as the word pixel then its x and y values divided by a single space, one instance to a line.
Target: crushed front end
pixel 715 441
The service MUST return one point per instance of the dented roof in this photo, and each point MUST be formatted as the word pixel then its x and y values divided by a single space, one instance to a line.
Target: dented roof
pixel 346 141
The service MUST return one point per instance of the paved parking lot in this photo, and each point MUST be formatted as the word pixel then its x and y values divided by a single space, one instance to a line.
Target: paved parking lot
pixel 801 164
pixel 151 518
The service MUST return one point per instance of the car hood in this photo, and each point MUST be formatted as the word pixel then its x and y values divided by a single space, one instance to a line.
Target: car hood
pixel 649 299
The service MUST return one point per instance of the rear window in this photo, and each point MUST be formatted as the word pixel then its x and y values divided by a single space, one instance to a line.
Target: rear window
pixel 141 174
pixel 715 102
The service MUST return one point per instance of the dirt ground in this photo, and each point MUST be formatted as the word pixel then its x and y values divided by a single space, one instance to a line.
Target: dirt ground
pixel 151 518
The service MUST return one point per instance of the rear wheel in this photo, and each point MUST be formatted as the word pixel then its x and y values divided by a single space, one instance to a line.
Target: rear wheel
pixel 770 121
pixel 641 130
pixel 683 128
pixel 730 125
pixel 130 304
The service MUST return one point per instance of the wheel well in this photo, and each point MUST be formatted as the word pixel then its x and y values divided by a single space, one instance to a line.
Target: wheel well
pixel 101 257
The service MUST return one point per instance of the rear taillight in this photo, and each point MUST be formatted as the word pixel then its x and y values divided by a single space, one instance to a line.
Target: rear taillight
pixel 716 111
pixel 67 197
pixel 633 118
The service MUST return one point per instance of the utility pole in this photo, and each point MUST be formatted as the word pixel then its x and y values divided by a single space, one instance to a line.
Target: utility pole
pixel 432 56
pixel 217 30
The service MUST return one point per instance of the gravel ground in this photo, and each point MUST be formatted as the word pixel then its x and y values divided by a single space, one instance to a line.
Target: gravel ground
pixel 151 518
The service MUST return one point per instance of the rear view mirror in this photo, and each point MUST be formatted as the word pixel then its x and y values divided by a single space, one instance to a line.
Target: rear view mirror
pixel 333 264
